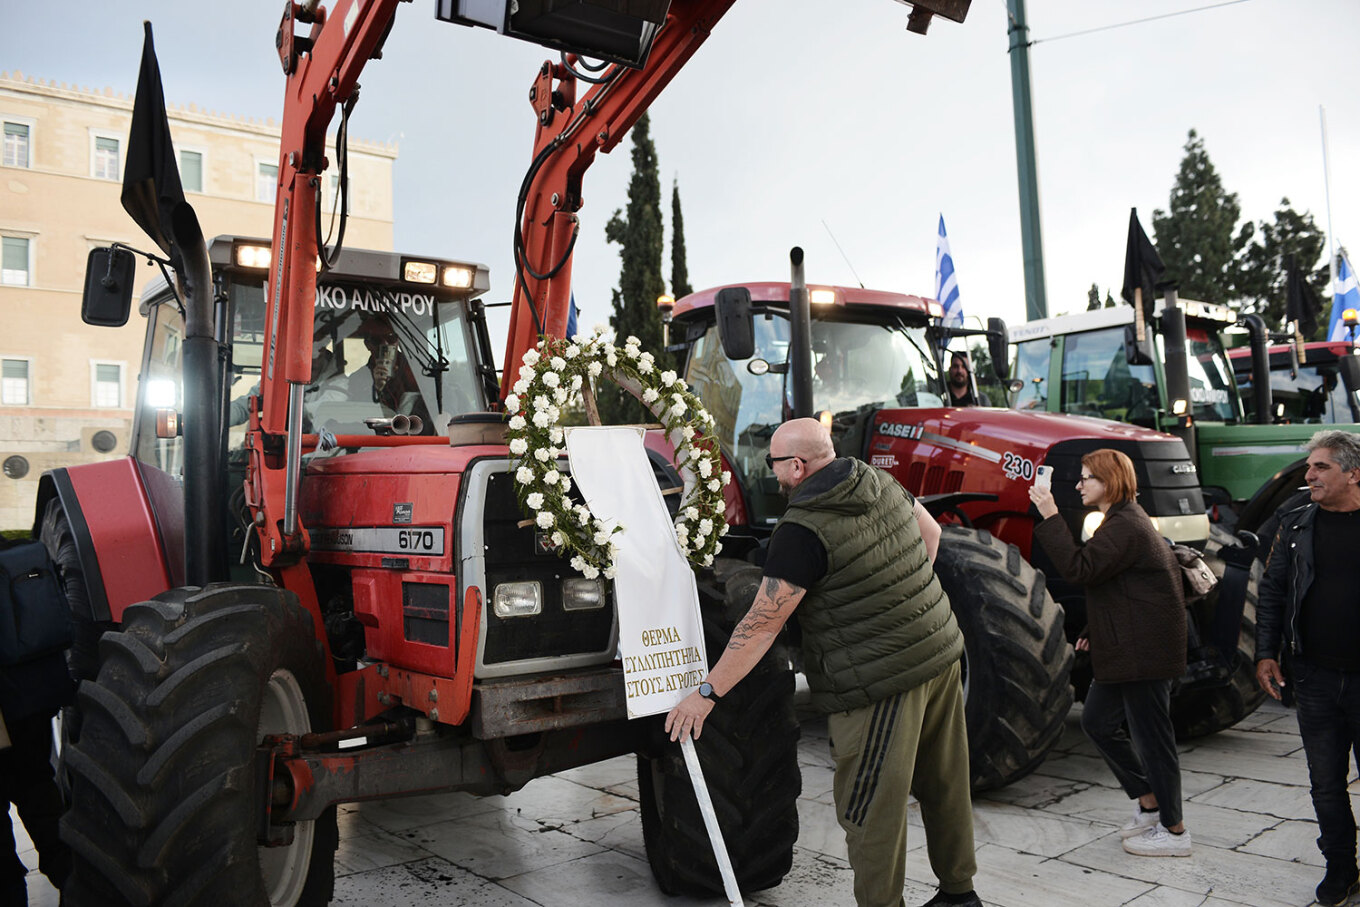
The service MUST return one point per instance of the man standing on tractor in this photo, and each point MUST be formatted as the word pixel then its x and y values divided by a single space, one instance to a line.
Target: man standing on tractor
pixel 882 654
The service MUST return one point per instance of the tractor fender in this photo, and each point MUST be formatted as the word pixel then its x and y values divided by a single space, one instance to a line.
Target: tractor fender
pixel 1272 493
pixel 119 541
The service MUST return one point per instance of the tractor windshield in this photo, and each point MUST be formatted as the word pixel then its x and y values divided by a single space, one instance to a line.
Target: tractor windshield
pixel 1213 397
pixel 854 365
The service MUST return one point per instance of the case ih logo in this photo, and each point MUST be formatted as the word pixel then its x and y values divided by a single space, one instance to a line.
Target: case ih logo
pixel 900 430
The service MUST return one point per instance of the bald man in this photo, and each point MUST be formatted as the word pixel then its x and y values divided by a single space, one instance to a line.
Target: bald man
pixel 881 650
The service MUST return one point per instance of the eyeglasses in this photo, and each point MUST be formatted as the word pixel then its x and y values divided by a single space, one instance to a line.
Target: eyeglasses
pixel 1085 479
pixel 770 461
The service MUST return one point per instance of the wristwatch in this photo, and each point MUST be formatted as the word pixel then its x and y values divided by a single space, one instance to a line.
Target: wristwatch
pixel 706 691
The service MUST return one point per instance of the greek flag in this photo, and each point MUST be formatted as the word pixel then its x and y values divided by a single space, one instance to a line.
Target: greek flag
pixel 946 286
pixel 1345 295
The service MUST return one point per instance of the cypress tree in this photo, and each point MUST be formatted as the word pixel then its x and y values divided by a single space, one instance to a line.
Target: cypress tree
pixel 679 269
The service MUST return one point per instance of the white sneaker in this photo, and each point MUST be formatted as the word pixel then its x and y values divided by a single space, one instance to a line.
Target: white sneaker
pixel 1140 822
pixel 1158 842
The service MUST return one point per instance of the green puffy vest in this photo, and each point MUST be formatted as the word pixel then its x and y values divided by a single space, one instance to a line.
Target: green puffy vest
pixel 878 623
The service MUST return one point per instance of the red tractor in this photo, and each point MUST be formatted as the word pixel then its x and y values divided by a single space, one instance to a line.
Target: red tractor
pixel 869 364
pixel 390 625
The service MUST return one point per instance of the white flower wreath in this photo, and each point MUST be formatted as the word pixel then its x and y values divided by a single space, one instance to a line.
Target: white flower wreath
pixel 553 376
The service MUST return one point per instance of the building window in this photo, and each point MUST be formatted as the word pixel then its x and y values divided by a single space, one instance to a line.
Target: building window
pixel 16 145
pixel 15 267
pixel 105 165
pixel 108 385
pixel 267 182
pixel 14 382
pixel 191 170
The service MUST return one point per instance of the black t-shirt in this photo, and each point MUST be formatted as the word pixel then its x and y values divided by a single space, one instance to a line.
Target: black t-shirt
pixel 1329 621
pixel 796 555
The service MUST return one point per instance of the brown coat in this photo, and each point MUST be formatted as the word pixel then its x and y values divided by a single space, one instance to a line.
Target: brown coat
pixel 1135 607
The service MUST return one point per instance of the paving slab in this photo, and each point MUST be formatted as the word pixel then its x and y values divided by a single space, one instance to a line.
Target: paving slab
pixel 421 884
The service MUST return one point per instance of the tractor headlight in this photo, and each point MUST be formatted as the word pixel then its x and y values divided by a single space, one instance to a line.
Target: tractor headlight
pixel 419 271
pixel 458 277
pixel 518 599
pixel 579 594
pixel 1091 524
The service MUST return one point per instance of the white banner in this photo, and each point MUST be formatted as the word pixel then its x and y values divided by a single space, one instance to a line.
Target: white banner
pixel 661 636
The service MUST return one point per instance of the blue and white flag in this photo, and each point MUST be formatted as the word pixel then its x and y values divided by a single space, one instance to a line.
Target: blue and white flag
pixel 946 286
pixel 1345 295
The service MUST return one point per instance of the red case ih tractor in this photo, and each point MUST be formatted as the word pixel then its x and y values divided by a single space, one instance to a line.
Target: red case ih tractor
pixel 359 649
pixel 869 363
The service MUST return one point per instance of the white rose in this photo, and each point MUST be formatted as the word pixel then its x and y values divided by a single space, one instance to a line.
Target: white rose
pixel 609 572
pixel 708 560
pixel 542 402
pixel 519 446
pixel 680 383
pixel 531 357
pixel 541 454
pixel 552 476
pixel 705 526
pixel 677 410
pixel 521 386
pixel 720 506
pixel 727 477
pixel 578 564
pixel 517 423
pixel 677 399
pixel 572 351
pixel 647 358
pixel 552 379
pixel 691 513
pixel 681 532
pixel 650 395
pixel 601 536
pixel 512 403
pixel 668 377
pixel 610 359
pixel 705 467
pixel 557 363
pixel 576 382
pixel 591 572
pixel 555 435
pixel 560 397
pixel 535 500
pixel 595 369
pixel 542 419
pixel 566 484
pixel 645 366
pixel 526 373
pixel 722 530
pixel 524 475
pixel 558 539
pixel 714 485
pixel 544 519
pixel 583 516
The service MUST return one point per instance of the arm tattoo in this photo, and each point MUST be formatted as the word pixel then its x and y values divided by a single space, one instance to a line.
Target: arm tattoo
pixel 774 602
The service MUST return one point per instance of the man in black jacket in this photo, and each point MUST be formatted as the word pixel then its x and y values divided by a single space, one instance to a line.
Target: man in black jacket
pixel 1309 615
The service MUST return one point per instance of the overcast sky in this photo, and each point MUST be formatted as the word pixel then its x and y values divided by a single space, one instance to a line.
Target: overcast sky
pixel 797 113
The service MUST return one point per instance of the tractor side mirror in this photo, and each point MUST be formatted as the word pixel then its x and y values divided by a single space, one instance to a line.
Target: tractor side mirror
pixel 736 327
pixel 109 275
pixel 1349 366
pixel 1134 353
pixel 998 346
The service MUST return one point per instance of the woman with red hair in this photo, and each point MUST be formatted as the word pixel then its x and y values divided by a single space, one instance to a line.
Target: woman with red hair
pixel 1135 632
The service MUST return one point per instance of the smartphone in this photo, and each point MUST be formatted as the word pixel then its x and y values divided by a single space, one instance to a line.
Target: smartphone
pixel 1043 477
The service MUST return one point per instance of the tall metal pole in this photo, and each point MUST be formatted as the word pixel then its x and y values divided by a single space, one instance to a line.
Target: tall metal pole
pixel 1327 194
pixel 1031 240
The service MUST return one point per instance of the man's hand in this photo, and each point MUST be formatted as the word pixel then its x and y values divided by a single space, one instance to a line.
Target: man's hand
pixel 1269 676
pixel 1043 500
pixel 688 717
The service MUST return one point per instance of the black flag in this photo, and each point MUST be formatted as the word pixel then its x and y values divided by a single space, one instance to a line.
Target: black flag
pixel 1301 303
pixel 1142 266
pixel 152 192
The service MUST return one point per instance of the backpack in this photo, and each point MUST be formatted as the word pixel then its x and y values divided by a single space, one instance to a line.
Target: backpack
pixel 1197 579
pixel 35 619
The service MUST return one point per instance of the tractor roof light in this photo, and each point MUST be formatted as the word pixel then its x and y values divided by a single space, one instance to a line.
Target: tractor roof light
pixel 665 304
pixel 1351 318
pixel 621 31
pixel 253 256
pixel 458 277
pixel 822 297
pixel 419 271
pixel 934 309
pixel 1179 407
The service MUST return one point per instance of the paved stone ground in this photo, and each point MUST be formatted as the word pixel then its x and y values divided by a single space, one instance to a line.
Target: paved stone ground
pixel 575 839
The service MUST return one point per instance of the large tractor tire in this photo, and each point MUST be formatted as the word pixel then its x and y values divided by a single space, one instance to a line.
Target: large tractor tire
pixel 749 754
pixel 1017 661
pixel 1202 711
pixel 164 790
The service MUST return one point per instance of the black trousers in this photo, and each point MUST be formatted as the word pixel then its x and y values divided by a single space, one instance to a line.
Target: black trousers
pixel 29 783
pixel 1143 757
pixel 1329 723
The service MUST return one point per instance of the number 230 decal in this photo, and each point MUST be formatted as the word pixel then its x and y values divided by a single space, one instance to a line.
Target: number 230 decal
pixel 1017 467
